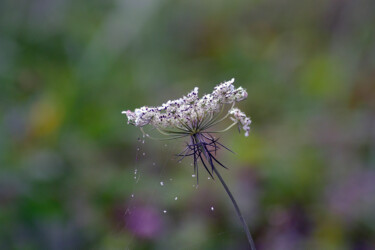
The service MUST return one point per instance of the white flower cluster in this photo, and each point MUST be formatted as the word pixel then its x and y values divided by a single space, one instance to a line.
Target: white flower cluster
pixel 240 117
pixel 189 110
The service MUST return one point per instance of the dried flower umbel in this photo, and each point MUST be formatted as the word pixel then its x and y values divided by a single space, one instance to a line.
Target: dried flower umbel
pixel 194 117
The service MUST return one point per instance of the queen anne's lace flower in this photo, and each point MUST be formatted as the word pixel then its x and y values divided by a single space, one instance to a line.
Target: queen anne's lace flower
pixel 191 113
pixel 191 116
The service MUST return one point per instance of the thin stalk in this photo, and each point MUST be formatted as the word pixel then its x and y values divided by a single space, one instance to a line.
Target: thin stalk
pixel 224 130
pixel 239 214
pixel 208 157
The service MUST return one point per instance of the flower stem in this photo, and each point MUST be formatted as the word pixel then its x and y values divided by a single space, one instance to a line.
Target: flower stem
pixel 209 157
pixel 244 225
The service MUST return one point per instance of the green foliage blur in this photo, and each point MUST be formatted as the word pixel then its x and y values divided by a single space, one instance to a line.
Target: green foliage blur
pixel 304 178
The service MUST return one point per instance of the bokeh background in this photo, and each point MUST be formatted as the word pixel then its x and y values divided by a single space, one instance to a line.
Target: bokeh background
pixel 304 178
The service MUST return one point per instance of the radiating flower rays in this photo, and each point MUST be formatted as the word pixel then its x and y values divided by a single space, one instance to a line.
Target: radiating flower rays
pixel 194 118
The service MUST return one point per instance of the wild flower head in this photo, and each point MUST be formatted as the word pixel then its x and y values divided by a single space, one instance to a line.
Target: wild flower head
pixel 195 118
pixel 190 114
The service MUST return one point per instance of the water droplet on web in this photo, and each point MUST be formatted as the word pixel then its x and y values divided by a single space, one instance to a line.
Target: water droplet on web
pixel 208 178
pixel 132 195
pixel 165 211
pixel 137 149
pixel 143 135
pixel 144 154
pixel 143 141
pixel 212 208
pixel 193 175
pixel 161 183
pixel 135 177
pixel 153 164
pixel 170 179
pixel 191 164
pixel 175 198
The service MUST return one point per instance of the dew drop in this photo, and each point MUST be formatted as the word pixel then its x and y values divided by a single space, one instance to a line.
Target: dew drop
pixel 135 177
pixel 132 195
pixel 165 211
pixel 193 175
pixel 143 141
pixel 175 198
pixel 153 164
pixel 144 153
pixel 137 149
pixel 161 183
pixel 209 178
pixel 212 208
pixel 170 179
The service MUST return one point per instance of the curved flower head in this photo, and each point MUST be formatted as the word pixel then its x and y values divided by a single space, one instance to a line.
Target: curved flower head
pixel 191 114
pixel 239 117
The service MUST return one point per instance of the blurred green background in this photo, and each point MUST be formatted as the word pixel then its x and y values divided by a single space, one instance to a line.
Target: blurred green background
pixel 304 178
